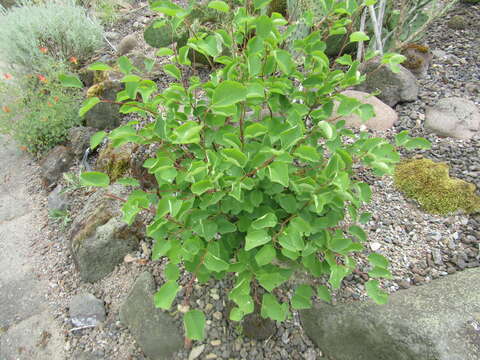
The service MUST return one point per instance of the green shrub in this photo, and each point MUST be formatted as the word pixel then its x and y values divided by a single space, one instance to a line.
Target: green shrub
pixel 37 111
pixel 255 178
pixel 33 34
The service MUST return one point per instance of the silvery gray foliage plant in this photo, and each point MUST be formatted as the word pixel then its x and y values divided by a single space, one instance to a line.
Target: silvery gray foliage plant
pixel 34 34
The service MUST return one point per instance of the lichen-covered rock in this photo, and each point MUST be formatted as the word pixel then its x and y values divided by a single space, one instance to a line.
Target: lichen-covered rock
pixel 99 240
pixel 394 87
pixel 385 117
pixel 454 117
pixel 127 44
pixel 436 321
pixel 457 22
pixel 115 162
pixel 104 115
pixel 55 163
pixel 418 58
pixel 57 200
pixel 80 139
pixel 153 330
pixel 429 183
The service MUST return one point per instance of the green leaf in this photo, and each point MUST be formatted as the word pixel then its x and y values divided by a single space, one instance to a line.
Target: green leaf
pixel 128 181
pixel 236 314
pixel 164 52
pixel 358 232
pixel 358 36
pixel 173 71
pixel 70 81
pixel 308 153
pixel 266 221
pixel 365 192
pixel 337 273
pixel 235 156
pixel 125 65
pixel 219 6
pixel 96 139
pixel 188 133
pixel 100 67
pixel 214 263
pixel 265 255
pixel 200 187
pixel 254 130
pixel 194 321
pixel 284 61
pixel 272 309
pixel 165 296
pixel 324 294
pixel 378 260
pixel 279 173
pixel 379 272
pixel 417 143
pixel 171 272
pixel 94 178
pixel 259 4
pixel 302 299
pixel 87 105
pixel 228 93
pixel 327 129
pixel 264 26
pixel 373 290
pixel 256 238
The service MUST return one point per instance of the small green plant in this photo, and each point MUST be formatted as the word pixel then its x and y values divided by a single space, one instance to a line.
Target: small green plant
pixel 72 181
pixel 37 111
pixel 429 183
pixel 34 34
pixel 255 177
pixel 61 217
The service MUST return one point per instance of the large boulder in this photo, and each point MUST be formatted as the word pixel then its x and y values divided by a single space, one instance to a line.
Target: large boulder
pixel 104 115
pixel 99 240
pixel 394 87
pixel 454 117
pixel 153 330
pixel 54 164
pixel 436 321
pixel 80 139
pixel 385 117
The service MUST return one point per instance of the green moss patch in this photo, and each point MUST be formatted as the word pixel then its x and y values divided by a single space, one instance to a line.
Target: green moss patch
pixel 429 183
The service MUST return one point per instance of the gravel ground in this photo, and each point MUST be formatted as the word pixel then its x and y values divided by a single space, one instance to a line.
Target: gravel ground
pixel 420 247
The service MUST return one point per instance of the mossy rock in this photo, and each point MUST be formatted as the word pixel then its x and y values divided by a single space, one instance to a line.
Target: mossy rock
pixel 457 22
pixel 429 183
pixel 115 162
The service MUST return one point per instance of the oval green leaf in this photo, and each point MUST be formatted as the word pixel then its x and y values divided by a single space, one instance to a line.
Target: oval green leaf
pixel 94 178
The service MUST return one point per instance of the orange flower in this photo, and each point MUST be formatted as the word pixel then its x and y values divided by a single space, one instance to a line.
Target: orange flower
pixel 42 78
pixel 23 148
pixel 7 76
pixel 43 50
pixel 56 99
pixel 6 109
pixel 73 60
